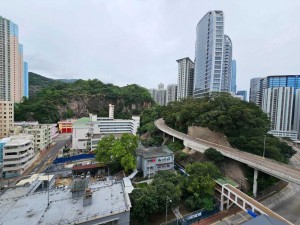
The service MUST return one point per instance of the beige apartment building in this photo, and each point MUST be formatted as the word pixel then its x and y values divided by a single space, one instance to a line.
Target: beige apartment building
pixel 41 135
pixel 6 117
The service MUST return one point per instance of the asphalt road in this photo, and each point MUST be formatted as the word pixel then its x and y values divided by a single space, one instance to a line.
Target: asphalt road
pixel 50 155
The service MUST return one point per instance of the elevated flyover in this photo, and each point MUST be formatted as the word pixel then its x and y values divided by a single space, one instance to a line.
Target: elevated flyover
pixel 268 166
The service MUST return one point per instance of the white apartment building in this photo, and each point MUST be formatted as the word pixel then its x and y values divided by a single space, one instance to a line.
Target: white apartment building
pixel 18 154
pixel 278 104
pixel 6 118
pixel 89 130
pixel 185 78
pixel 171 93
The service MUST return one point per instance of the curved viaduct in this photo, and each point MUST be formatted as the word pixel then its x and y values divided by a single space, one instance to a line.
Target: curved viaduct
pixel 271 167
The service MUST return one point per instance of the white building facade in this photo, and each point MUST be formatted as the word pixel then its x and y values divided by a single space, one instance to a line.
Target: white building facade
pixel 18 154
pixel 185 78
pixel 88 131
pixel 278 104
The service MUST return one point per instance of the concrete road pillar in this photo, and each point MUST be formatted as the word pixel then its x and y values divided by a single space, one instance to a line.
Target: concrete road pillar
pixel 222 202
pixel 255 182
pixel 173 139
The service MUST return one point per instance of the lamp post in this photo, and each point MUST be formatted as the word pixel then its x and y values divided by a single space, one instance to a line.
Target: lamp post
pixel 167 208
pixel 264 147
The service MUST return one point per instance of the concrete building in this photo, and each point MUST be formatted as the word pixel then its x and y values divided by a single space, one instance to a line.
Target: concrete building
pixel 66 126
pixel 87 131
pixel 102 202
pixel 185 78
pixel 213 55
pixel 242 93
pixel 159 95
pixel 266 89
pixel 42 134
pixel 233 76
pixel 227 61
pixel 11 62
pixel 18 154
pixel 6 118
pixel 278 104
pixel 171 93
pixel 254 95
pixel 154 159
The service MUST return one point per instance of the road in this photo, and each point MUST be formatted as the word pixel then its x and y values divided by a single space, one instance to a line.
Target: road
pixel 41 164
pixel 50 155
pixel 271 167
pixel 286 203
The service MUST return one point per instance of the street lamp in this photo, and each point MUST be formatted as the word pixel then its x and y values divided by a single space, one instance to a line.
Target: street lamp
pixel 167 208
pixel 264 147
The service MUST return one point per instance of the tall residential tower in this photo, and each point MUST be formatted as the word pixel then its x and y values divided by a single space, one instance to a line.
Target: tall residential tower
pixel 11 73
pixel 213 55
pixel 185 78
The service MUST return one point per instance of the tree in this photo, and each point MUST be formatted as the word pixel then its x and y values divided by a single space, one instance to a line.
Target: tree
pixel 214 155
pixel 144 204
pixel 112 150
pixel 200 185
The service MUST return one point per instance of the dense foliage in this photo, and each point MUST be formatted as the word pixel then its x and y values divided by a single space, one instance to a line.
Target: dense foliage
pixel 214 155
pixel 112 150
pixel 56 101
pixel 168 187
pixel 243 123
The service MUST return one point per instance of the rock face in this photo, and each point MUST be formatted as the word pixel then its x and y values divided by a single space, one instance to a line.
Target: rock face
pixel 83 105
pixel 208 135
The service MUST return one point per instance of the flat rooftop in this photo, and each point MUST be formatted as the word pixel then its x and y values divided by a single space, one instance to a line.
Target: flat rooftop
pixel 81 121
pixel 109 198
pixel 153 152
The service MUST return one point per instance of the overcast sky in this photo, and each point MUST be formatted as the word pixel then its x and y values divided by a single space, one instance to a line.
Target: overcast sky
pixel 124 41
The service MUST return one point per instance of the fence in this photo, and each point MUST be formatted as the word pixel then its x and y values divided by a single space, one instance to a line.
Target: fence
pixel 73 158
pixel 193 217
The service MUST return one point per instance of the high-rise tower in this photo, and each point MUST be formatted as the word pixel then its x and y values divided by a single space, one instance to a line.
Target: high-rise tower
pixel 213 55
pixel 185 78
pixel 11 62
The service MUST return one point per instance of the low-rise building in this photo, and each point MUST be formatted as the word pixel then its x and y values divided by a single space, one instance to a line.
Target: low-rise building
pixel 87 131
pixel 154 159
pixel 6 118
pixel 42 136
pixel 103 202
pixel 18 154
pixel 66 126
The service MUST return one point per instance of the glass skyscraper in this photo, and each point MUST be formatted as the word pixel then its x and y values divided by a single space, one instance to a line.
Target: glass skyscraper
pixel 213 55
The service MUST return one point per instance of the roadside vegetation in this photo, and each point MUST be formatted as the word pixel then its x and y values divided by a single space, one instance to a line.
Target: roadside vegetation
pixel 168 187
pixel 243 123
pixel 117 153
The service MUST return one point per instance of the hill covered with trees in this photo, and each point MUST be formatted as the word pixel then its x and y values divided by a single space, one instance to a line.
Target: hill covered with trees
pixel 243 123
pixel 58 100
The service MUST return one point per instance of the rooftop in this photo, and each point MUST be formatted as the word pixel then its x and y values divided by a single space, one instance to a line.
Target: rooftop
pixel 226 180
pixel 81 121
pixel 153 152
pixel 109 198
pixel 264 220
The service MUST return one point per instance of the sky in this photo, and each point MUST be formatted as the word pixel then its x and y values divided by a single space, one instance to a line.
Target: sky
pixel 138 41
